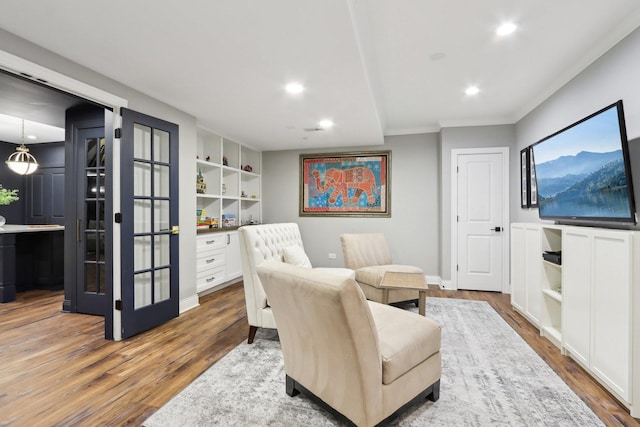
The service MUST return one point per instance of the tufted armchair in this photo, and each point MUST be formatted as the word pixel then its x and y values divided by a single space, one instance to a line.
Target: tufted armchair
pixel 259 243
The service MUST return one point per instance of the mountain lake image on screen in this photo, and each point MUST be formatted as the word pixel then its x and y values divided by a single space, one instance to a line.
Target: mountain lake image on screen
pixel 582 171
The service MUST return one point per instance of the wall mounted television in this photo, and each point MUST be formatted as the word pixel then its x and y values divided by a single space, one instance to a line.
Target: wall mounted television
pixel 583 173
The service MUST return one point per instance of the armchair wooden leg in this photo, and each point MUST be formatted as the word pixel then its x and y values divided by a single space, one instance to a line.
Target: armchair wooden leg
pixel 434 395
pixel 290 385
pixel 252 334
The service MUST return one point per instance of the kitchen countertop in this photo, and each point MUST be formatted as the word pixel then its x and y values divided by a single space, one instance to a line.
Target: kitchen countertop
pixel 18 228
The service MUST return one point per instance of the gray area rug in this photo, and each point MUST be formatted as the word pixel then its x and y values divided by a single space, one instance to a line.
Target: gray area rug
pixel 490 377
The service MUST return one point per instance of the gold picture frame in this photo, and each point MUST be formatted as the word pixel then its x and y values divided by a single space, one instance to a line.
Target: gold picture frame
pixel 346 184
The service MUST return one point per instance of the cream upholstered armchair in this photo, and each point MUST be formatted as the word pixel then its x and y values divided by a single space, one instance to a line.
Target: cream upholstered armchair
pixel 363 359
pixel 259 243
pixel 369 255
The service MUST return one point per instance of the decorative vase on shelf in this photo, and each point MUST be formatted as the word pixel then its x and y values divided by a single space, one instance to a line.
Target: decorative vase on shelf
pixel 3 220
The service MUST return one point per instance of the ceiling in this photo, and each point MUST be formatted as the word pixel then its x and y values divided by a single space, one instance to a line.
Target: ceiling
pixel 41 108
pixel 375 68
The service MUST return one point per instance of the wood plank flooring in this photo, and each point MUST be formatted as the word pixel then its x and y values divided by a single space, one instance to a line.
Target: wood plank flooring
pixel 56 369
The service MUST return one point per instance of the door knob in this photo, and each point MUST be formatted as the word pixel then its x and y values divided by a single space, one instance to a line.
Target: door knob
pixel 498 229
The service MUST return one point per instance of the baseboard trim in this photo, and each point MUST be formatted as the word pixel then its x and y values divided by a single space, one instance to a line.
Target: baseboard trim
pixel 434 280
pixel 189 303
pixel 448 284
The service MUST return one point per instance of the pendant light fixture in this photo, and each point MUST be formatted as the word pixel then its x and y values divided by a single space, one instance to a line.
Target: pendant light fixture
pixel 21 162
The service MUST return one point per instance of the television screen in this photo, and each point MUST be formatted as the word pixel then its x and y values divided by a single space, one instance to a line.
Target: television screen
pixel 582 172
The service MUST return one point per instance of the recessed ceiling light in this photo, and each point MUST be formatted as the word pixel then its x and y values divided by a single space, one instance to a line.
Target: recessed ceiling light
pixel 325 124
pixel 506 29
pixel 472 90
pixel 294 88
pixel 32 137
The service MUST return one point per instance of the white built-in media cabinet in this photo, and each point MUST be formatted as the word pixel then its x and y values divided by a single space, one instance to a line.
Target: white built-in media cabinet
pixel 589 305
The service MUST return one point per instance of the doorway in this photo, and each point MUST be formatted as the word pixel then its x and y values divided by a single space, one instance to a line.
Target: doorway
pixel 119 283
pixel 480 218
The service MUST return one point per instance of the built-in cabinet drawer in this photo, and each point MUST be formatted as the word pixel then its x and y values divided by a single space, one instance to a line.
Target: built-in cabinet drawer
pixel 210 241
pixel 210 277
pixel 217 259
pixel 211 258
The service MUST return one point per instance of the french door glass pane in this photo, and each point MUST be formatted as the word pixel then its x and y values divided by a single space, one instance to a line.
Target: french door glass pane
pixel 142 290
pixel 142 253
pixel 141 142
pixel 141 179
pixel 162 254
pixel 161 212
pixel 141 216
pixel 92 151
pixel 91 275
pixel 161 181
pixel 101 278
pixel 162 282
pixel 160 146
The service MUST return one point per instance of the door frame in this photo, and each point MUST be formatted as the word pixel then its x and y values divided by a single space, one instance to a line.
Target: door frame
pixel 455 153
pixel 45 76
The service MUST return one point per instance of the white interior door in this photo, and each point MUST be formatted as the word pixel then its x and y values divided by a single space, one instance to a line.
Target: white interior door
pixel 480 220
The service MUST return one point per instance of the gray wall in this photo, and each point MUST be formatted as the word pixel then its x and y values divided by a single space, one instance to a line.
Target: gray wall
pixel 144 104
pixel 615 75
pixel 413 229
pixel 465 137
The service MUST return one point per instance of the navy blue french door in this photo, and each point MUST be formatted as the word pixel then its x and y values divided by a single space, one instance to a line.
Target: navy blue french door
pixel 149 222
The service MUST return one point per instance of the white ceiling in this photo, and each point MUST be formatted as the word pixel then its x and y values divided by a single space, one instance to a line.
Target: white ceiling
pixel 374 67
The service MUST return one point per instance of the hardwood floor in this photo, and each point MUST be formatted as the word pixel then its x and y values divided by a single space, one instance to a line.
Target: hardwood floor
pixel 56 369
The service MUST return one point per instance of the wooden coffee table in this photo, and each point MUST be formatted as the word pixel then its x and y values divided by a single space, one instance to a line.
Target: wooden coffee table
pixel 399 280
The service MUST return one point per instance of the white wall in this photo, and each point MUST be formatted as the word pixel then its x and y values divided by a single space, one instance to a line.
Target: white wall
pixel 144 104
pixel 615 75
pixel 413 229
pixel 465 137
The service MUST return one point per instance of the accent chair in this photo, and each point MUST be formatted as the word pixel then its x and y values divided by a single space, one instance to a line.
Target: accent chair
pixel 363 359
pixel 369 255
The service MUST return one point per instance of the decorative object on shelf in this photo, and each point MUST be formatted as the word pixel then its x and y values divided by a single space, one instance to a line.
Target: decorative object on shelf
pixel 7 197
pixel 228 220
pixel 21 162
pixel 247 168
pixel 243 194
pixel 201 186
pixel 224 189
pixel 203 221
pixel 225 161
pixel 345 184
pixel 208 159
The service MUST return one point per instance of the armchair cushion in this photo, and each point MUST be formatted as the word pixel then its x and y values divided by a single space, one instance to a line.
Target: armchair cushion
pixel 373 275
pixel 296 255
pixel 401 352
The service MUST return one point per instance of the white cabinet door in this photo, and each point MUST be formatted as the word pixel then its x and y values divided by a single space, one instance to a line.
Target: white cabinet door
pixel 518 275
pixel 576 293
pixel 526 268
pixel 533 271
pixel 233 260
pixel 612 266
